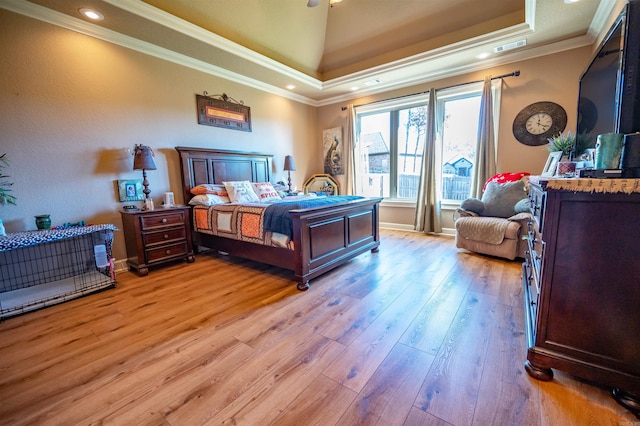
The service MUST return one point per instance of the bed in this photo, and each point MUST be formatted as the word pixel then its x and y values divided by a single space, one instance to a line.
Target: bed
pixel 323 237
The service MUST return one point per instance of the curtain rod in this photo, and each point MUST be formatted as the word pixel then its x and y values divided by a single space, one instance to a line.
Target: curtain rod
pixel 511 74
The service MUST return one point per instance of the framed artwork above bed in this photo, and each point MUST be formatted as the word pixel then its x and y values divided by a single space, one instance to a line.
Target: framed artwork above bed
pixel 222 111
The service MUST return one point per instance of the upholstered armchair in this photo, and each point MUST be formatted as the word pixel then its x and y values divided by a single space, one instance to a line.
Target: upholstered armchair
pixel 495 225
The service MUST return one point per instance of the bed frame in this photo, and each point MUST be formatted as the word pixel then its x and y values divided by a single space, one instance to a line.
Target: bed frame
pixel 324 237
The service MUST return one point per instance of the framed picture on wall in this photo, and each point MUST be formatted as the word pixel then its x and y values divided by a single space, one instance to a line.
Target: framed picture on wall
pixel 332 151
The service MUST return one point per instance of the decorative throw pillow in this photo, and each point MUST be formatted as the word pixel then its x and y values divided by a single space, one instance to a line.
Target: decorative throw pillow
pixel 523 206
pixel 500 199
pixel 208 200
pixel 241 191
pixel 505 177
pixel 473 205
pixel 265 191
pixel 210 188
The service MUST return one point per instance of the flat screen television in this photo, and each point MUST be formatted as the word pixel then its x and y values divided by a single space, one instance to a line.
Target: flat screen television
pixel 609 97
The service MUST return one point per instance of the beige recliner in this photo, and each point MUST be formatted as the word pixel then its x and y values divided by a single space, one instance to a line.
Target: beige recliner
pixel 494 236
pixel 497 225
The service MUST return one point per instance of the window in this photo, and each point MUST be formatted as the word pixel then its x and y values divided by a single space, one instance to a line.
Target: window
pixel 458 114
pixel 391 137
pixel 391 143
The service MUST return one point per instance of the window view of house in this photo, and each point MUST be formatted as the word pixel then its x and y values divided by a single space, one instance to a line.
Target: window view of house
pixel 391 145
pixel 459 133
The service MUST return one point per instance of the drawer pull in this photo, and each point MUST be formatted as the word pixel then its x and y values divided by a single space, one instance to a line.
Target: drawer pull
pixel 164 220
pixel 167 251
pixel 166 236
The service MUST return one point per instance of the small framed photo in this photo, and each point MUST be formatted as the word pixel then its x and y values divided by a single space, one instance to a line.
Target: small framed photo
pixel 552 164
pixel 130 190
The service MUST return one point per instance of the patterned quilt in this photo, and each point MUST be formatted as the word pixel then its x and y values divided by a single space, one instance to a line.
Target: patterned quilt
pixel 243 222
pixel 266 224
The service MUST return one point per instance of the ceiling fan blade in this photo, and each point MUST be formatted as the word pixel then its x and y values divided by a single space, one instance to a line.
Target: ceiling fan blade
pixel 313 3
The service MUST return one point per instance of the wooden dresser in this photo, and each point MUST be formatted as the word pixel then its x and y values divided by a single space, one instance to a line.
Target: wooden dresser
pixel 581 280
pixel 155 237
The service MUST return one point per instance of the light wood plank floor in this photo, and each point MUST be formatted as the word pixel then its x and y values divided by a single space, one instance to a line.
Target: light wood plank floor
pixel 420 333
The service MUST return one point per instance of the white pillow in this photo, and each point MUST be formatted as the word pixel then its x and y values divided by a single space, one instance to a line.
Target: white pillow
pixel 265 191
pixel 241 191
pixel 208 200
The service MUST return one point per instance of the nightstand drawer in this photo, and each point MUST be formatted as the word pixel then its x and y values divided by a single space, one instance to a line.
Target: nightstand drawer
pixel 163 236
pixel 155 221
pixel 164 252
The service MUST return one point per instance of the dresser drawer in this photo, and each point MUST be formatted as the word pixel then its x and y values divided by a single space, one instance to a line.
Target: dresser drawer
pixel 167 251
pixel 160 220
pixel 537 199
pixel 151 238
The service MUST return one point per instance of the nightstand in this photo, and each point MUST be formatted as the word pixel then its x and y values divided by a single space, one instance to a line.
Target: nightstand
pixel 155 237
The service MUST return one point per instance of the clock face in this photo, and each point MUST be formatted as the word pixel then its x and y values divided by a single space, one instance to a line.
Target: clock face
pixel 538 122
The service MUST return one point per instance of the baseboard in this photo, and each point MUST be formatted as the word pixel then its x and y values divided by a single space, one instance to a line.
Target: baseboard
pixel 448 232
pixel 121 265
pixel 396 226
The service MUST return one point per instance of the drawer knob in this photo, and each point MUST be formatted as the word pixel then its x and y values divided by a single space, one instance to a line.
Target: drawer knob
pixel 164 220
pixel 167 251
pixel 166 236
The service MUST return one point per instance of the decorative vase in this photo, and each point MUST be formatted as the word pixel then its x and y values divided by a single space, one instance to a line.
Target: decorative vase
pixel 43 221
pixel 609 150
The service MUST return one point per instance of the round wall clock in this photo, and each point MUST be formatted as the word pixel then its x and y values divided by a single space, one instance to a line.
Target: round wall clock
pixel 539 121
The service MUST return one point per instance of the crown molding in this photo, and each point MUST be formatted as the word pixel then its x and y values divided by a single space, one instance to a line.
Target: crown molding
pixel 78 25
pixel 517 56
pixel 172 22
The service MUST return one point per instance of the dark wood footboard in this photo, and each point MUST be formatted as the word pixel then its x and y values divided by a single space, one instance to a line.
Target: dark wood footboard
pixel 328 237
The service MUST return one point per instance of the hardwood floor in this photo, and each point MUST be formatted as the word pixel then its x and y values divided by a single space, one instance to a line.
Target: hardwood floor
pixel 420 333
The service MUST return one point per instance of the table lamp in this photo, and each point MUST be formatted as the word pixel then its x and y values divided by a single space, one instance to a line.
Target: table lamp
pixel 289 166
pixel 143 160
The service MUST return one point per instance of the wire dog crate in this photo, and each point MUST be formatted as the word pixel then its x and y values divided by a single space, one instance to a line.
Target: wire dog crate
pixel 43 268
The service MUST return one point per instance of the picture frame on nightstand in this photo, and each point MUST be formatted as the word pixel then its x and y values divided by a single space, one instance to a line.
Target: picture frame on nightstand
pixel 130 190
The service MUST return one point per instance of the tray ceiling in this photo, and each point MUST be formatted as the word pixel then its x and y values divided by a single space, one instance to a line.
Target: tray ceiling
pixel 326 51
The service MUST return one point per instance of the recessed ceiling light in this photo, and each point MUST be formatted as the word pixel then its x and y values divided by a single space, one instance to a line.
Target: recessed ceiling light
pixel 354 88
pixel 571 1
pixel 291 86
pixel 91 14
pixel 483 55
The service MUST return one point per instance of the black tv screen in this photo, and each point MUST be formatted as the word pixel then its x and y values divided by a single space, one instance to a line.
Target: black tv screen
pixel 609 89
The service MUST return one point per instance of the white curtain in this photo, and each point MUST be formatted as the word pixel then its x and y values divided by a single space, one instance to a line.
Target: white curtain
pixel 350 149
pixel 485 164
pixel 427 209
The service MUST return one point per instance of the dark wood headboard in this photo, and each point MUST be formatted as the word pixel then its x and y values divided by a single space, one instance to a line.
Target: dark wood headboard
pixel 203 165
